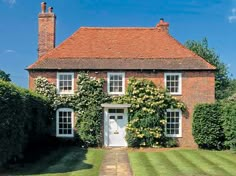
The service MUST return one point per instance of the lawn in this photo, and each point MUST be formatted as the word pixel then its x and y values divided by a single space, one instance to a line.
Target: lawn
pixel 64 162
pixel 183 163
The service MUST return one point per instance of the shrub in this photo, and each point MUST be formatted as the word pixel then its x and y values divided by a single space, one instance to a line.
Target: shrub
pixel 229 123
pixel 90 96
pixel 23 117
pixel 147 113
pixel 86 102
pixel 207 126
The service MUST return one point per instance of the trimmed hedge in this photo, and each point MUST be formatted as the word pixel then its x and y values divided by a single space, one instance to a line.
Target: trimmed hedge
pixel 229 124
pixel 208 126
pixel 24 118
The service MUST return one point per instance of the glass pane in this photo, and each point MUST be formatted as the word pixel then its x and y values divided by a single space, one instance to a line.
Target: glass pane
pixel 120 110
pixel 111 77
pixel 120 117
pixel 116 77
pixel 69 131
pixel 112 117
pixel 111 89
pixel 69 77
pixel 120 89
pixel 120 77
pixel 116 89
pixel 60 131
pixel 112 110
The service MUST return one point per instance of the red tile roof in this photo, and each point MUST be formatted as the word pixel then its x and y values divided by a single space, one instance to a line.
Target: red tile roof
pixel 117 43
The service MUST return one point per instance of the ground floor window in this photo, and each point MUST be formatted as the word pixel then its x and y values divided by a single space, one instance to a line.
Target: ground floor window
pixel 65 122
pixel 174 123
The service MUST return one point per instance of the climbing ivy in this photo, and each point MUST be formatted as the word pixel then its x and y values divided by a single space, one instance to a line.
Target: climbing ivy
pixel 86 102
pixel 147 112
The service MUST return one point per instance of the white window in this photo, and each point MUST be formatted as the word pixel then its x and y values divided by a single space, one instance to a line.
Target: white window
pixel 65 122
pixel 174 123
pixel 173 83
pixel 116 83
pixel 65 83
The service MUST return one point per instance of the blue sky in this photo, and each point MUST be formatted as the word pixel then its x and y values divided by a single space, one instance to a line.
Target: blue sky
pixel 189 19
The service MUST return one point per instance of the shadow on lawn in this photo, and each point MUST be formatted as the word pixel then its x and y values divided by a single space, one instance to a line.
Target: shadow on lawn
pixel 50 156
pixel 63 160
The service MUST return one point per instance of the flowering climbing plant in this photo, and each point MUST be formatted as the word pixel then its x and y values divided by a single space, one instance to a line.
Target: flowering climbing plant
pixel 147 113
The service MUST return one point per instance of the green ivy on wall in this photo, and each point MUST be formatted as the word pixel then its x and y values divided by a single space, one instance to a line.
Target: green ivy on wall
pixel 147 113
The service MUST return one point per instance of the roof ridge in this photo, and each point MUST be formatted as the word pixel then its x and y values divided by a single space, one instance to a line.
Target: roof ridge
pixel 96 28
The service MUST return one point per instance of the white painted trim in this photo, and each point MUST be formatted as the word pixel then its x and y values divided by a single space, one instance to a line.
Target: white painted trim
pixel 106 123
pixel 180 123
pixel 72 122
pixel 123 83
pixel 180 82
pixel 118 106
pixel 72 84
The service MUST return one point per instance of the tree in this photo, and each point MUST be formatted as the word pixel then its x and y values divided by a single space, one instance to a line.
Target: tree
pixel 4 76
pixel 221 75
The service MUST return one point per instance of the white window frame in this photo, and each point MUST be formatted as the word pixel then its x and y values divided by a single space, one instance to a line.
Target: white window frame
pixel 72 122
pixel 123 83
pixel 180 83
pixel 58 81
pixel 180 124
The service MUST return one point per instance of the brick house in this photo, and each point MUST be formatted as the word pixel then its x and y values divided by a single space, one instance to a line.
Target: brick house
pixel 116 54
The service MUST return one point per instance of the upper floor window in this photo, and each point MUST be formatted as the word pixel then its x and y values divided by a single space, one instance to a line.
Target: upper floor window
pixel 173 83
pixel 65 122
pixel 116 83
pixel 65 83
pixel 174 123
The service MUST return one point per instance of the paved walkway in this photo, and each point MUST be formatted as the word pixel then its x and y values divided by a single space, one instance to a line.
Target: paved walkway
pixel 116 163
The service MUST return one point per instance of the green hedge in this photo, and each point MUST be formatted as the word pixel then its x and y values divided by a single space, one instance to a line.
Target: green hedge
pixel 208 126
pixel 229 123
pixel 24 117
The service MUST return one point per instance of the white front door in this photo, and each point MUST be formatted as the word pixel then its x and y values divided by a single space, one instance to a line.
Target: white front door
pixel 117 123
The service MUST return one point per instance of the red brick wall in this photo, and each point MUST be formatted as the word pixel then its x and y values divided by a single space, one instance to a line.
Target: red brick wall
pixel 197 87
pixel 46 32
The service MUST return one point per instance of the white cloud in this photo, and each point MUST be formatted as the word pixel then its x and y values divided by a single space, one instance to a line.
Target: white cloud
pixel 9 51
pixel 232 17
pixel 10 2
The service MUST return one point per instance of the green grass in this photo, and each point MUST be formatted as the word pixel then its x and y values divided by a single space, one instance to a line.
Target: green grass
pixel 64 162
pixel 183 163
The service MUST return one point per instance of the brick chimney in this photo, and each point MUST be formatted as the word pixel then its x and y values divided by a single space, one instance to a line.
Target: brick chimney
pixel 163 26
pixel 46 30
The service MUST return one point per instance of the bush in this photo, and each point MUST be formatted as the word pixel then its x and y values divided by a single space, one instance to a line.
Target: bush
pixel 229 123
pixel 86 102
pixel 147 113
pixel 90 96
pixel 23 117
pixel 207 126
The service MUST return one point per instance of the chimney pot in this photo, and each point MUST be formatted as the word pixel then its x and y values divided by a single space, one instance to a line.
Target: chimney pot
pixel 50 9
pixel 162 25
pixel 43 7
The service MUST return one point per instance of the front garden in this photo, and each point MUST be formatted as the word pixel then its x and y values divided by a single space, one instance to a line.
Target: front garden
pixel 183 162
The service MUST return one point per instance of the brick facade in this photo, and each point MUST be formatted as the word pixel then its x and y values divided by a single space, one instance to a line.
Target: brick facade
pixel 47 30
pixel 197 87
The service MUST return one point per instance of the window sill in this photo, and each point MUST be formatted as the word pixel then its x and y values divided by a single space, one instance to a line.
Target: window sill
pixel 174 136
pixel 65 136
